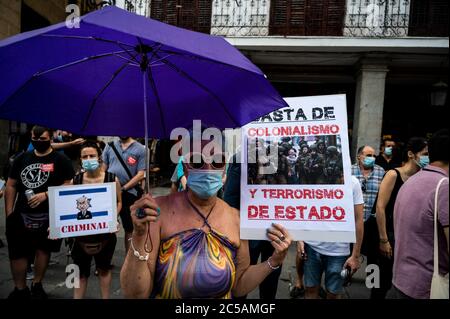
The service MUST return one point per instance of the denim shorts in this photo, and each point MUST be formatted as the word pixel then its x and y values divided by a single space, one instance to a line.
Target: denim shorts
pixel 316 264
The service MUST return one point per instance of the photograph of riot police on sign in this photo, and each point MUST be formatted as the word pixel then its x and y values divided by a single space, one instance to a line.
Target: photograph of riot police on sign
pixel 295 160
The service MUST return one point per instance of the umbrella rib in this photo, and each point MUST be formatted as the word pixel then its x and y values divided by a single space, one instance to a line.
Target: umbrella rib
pixel 86 38
pixel 199 57
pixel 39 73
pixel 118 43
pixel 207 90
pixel 153 62
pixel 126 59
pixel 89 58
pixel 158 101
pixel 100 92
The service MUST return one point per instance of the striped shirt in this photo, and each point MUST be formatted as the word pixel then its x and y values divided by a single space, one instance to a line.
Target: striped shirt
pixel 369 186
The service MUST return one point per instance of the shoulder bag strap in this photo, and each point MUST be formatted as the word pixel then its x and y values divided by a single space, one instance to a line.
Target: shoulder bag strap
pixel 436 239
pixel 111 144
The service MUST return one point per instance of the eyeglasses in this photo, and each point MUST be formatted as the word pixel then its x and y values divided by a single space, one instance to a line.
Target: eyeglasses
pixel 199 161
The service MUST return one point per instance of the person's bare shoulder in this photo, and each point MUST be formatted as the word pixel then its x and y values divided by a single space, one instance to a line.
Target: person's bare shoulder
pixel 231 213
pixel 164 202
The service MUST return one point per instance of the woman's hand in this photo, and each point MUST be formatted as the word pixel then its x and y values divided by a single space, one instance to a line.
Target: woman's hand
pixel 352 262
pixel 281 240
pixel 37 199
pixel 301 250
pixel 386 249
pixel 150 211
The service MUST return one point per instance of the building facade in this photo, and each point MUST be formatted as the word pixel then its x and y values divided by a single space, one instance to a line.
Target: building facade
pixel 390 57
pixel 18 16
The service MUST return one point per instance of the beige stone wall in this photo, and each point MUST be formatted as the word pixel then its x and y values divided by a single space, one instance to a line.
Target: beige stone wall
pixel 9 18
pixel 53 10
pixel 10 14
pixel 9 25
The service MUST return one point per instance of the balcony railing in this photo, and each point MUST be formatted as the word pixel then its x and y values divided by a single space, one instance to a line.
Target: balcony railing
pixel 141 7
pixel 240 17
pixel 354 18
pixel 377 18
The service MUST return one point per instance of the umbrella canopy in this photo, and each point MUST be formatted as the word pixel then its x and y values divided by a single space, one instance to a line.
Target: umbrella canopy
pixel 94 80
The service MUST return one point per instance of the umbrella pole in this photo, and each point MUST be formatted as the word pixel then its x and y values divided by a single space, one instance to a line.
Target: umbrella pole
pixel 147 152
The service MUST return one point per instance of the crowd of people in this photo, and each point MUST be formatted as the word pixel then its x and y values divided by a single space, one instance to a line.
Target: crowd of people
pixel 187 244
pixel 294 161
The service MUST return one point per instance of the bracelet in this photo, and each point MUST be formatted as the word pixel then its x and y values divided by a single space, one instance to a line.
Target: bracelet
pixel 384 241
pixel 270 266
pixel 137 254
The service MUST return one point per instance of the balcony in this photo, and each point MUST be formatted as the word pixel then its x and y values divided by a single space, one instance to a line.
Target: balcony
pixel 261 18
pixel 380 18
pixel 353 18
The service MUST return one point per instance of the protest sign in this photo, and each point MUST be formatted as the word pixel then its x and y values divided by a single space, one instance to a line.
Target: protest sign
pixel 82 210
pixel 296 171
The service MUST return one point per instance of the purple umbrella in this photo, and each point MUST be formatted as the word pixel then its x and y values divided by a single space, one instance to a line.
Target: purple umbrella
pixel 119 72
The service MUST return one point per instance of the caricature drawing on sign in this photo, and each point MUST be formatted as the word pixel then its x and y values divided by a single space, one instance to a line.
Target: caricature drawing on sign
pixel 83 204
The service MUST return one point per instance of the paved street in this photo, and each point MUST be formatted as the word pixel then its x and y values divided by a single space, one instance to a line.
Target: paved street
pixel 55 277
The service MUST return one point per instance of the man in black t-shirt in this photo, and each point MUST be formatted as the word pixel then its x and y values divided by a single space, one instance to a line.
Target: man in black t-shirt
pixel 27 221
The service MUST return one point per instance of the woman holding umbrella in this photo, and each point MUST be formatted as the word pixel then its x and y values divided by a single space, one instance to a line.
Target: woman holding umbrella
pixel 196 250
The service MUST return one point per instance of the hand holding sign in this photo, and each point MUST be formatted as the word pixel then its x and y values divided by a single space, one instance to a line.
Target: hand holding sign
pixel 150 211
pixel 280 240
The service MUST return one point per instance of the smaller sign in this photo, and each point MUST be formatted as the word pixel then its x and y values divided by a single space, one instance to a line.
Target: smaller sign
pixel 81 210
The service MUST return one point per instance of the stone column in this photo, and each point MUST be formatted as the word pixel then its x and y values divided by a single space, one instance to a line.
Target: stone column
pixel 368 115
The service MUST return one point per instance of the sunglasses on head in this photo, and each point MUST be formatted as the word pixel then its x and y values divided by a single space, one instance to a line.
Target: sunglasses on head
pixel 200 161
pixel 363 185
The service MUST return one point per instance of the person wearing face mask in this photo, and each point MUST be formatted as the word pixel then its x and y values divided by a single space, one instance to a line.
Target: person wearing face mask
pixel 369 175
pixel 194 249
pixel 62 142
pixel 416 157
pixel 27 219
pixel 388 157
pixel 421 214
pixel 100 247
pixel 126 159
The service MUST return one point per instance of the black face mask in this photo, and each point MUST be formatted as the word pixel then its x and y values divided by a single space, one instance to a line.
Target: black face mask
pixel 41 146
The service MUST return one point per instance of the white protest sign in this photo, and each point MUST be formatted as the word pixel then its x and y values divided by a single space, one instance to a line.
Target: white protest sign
pixel 81 210
pixel 296 171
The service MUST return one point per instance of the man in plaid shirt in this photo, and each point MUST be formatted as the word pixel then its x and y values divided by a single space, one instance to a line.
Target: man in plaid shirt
pixel 369 175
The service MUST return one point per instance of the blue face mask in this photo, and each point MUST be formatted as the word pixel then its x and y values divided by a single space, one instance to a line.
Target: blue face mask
pixel 388 151
pixel 205 183
pixel 424 160
pixel 59 138
pixel 90 164
pixel 369 162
